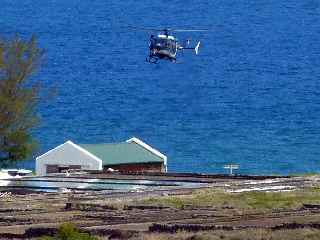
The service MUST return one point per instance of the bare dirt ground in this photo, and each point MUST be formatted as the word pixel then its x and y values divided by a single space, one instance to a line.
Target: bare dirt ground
pixel 31 214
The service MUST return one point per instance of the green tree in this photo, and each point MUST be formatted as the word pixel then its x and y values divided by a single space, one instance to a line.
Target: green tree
pixel 19 96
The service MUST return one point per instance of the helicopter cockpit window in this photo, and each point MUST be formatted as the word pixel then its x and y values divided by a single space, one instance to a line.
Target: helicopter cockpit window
pixel 164 44
pixel 160 42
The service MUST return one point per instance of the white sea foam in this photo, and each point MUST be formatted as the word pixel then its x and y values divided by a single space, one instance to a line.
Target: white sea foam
pixel 266 189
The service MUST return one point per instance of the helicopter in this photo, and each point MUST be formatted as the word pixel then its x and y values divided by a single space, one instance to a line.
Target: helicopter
pixel 164 46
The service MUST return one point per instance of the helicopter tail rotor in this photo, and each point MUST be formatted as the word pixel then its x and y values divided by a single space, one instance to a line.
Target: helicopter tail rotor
pixel 196 49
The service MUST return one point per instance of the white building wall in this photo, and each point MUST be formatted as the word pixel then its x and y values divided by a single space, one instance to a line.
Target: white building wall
pixel 67 154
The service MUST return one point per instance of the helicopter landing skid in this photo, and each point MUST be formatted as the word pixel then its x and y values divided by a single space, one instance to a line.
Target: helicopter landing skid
pixel 154 60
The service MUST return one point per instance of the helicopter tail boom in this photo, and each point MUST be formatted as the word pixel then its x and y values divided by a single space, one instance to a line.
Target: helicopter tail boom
pixel 196 48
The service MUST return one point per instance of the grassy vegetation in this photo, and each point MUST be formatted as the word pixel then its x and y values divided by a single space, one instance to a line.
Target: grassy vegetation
pixel 246 202
pixel 68 231
pixel 309 174
pixel 252 234
pixel 242 201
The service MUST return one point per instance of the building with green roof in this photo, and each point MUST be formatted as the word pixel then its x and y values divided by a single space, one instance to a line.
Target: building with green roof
pixel 132 155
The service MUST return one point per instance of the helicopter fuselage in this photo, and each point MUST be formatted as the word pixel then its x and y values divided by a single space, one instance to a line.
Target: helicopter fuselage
pixel 162 47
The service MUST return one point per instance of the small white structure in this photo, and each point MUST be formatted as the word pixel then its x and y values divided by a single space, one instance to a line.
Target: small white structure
pixel 231 167
pixel 67 155
pixel 131 155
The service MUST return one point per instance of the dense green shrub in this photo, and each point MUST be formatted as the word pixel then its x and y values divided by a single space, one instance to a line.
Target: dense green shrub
pixel 68 231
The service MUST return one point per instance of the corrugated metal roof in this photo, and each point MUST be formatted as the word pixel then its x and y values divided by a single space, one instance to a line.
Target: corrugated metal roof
pixel 121 153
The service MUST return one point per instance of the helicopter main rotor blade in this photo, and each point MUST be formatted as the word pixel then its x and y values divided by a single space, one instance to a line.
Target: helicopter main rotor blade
pixel 148 29
pixel 168 29
pixel 190 30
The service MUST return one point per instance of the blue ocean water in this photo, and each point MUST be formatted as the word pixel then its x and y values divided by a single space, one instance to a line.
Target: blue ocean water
pixel 250 97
